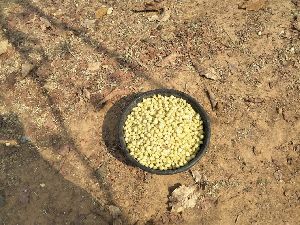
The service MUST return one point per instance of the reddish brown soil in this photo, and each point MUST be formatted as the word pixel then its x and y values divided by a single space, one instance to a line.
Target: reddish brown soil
pixel 62 79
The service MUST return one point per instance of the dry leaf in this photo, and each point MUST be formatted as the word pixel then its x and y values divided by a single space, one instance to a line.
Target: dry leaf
pixel 211 74
pixel 212 99
pixel 208 73
pixel 3 46
pixel 206 203
pixel 184 197
pixel 63 150
pixel 253 5
pixel 94 66
pixel 101 12
pixel 88 23
pixel 86 94
pixel 45 24
pixel 200 179
pixel 26 68
pixel 197 176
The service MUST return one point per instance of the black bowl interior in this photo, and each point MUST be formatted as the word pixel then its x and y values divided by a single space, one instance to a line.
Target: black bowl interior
pixel 166 92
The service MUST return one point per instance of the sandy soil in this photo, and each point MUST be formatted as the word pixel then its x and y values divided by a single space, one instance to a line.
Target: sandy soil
pixel 65 67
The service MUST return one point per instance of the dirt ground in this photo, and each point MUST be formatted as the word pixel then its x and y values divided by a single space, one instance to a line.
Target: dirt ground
pixel 66 67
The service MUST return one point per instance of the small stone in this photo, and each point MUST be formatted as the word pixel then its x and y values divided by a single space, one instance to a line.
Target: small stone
pixel 43 185
pixel 45 24
pixel 165 15
pixel 7 144
pixel 259 33
pixel 94 66
pixel 282 32
pixel 197 176
pixel 209 73
pixel 63 150
pixel 26 68
pixel 101 12
pixel 278 175
pixel 109 10
pixel 292 50
pixel 88 23
pixel 24 139
pixel 167 36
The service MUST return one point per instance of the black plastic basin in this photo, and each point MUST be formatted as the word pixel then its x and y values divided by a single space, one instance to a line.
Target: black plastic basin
pixel 166 92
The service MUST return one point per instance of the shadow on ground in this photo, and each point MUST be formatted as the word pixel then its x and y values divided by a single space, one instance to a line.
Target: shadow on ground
pixel 110 128
pixel 23 169
pixel 27 45
pixel 29 185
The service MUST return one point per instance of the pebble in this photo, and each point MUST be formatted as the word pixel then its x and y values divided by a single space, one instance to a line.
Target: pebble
pixel 109 11
pixel 101 12
pixel 292 50
pixel 26 68
pixel 43 185
pixel 24 139
pixel 94 66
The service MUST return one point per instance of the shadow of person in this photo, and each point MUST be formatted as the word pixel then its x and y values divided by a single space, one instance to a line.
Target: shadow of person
pixel 32 191
pixel 110 128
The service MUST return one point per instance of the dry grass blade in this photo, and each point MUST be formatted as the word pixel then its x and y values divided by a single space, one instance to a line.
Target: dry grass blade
pixel 212 99
pixel 184 197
